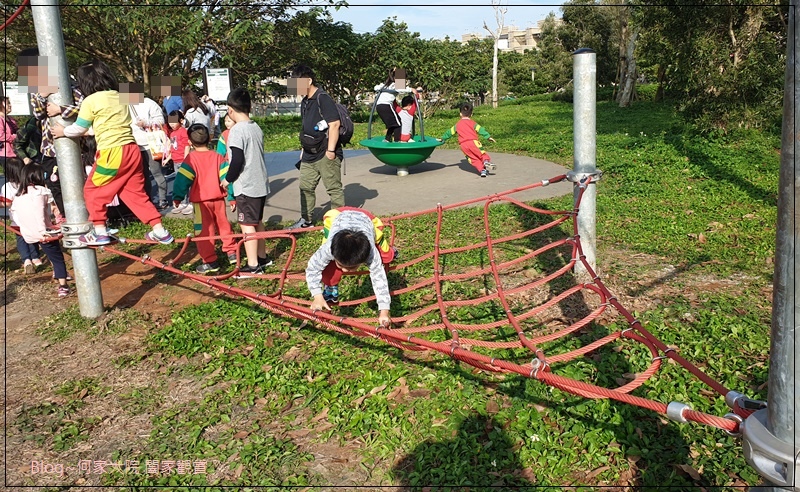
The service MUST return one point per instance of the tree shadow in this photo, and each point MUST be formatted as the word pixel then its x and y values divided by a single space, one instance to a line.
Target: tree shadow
pixel 480 454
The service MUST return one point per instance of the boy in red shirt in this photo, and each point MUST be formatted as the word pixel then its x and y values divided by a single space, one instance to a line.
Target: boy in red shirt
pixel 468 131
pixel 200 175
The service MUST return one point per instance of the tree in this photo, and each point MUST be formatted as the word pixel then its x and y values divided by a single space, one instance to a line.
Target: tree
pixel 499 15
pixel 143 38
pixel 626 74
pixel 723 62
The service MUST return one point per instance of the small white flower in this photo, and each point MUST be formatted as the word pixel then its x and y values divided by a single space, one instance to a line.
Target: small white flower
pixel 494 463
pixel 535 438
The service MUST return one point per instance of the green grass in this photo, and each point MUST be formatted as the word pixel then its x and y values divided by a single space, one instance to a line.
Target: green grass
pixel 705 206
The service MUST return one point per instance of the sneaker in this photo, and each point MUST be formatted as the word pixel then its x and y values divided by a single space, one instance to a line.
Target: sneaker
pixel 396 253
pixel 29 267
pixel 92 239
pixel 36 262
pixel 300 224
pixel 484 173
pixel 207 268
pixel 489 165
pixel 63 291
pixel 188 209
pixel 165 239
pixel 162 206
pixel 232 258
pixel 264 262
pixel 331 294
pixel 179 209
pixel 254 270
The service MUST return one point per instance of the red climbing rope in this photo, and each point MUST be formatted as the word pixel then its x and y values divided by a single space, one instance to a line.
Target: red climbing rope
pixel 524 325
pixel 14 15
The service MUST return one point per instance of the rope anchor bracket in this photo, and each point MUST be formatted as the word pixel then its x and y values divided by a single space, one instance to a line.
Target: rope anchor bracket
pixel 71 232
pixel 772 458
pixel 735 398
pixel 576 177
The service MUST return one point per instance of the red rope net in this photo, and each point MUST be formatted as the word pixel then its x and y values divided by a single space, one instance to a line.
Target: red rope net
pixel 534 313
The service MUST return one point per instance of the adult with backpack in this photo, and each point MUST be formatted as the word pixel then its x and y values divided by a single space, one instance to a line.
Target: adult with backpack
pixel 321 156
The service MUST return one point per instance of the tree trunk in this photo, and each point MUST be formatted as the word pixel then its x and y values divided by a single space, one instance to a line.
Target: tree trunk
pixel 628 85
pixel 494 72
pixel 662 72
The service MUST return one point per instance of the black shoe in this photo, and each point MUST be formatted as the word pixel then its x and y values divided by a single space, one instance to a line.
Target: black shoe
pixel 300 224
pixel 264 262
pixel 207 268
pixel 162 206
pixel 250 270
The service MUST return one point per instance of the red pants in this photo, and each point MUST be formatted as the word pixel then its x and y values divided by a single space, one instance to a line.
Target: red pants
pixel 475 154
pixel 214 223
pixel 121 173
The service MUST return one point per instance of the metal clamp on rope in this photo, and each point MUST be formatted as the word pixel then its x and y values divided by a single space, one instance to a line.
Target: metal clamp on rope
pixel 576 177
pixel 735 398
pixel 736 418
pixel 536 366
pixel 675 411
pixel 71 233
pixel 775 460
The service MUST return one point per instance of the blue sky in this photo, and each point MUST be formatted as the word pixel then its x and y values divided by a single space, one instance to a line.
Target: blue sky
pixel 440 18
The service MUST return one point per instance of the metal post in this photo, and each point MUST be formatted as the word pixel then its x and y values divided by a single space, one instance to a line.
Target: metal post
pixel 771 435
pixel 47 24
pixel 584 125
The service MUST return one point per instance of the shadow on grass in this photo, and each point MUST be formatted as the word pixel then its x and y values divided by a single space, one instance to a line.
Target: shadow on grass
pixel 479 444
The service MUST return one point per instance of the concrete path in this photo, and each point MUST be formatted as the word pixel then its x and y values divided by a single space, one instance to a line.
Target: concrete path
pixel 445 178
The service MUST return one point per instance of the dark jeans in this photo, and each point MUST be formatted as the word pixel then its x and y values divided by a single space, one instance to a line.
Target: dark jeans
pixel 53 251
pixel 391 120
pixel 52 181
pixel 152 167
pixel 27 251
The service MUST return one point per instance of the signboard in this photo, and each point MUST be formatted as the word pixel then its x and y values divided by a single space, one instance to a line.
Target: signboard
pixel 20 105
pixel 218 83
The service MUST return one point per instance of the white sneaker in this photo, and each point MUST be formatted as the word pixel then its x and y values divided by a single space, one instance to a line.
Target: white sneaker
pixel 188 209
pixel 179 209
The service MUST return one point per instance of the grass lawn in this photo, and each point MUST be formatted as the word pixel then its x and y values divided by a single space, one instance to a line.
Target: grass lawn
pixel 686 232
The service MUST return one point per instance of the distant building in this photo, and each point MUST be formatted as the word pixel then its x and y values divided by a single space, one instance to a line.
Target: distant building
pixel 512 38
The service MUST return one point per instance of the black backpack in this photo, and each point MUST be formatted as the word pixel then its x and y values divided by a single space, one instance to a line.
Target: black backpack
pixel 346 127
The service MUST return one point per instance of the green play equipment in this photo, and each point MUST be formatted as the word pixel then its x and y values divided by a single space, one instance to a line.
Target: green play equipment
pixel 401 155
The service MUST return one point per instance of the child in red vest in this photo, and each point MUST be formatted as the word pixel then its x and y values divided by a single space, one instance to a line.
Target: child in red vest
pixel 468 131
pixel 200 176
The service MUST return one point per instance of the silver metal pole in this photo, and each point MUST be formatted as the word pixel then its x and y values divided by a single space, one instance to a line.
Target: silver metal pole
pixel 784 377
pixel 585 150
pixel 47 23
pixel 771 436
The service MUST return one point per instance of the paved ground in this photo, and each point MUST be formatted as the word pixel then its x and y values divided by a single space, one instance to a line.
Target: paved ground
pixel 444 178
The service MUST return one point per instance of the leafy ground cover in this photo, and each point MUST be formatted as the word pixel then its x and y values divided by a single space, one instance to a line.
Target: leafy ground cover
pixel 685 237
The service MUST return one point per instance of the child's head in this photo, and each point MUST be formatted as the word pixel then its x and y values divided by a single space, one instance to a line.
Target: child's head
pixel 96 76
pixel 6 106
pixel 31 175
pixel 229 122
pixel 198 135
pixel 238 103
pixel 465 109
pixel 13 170
pixel 407 102
pixel 175 119
pixel 350 249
